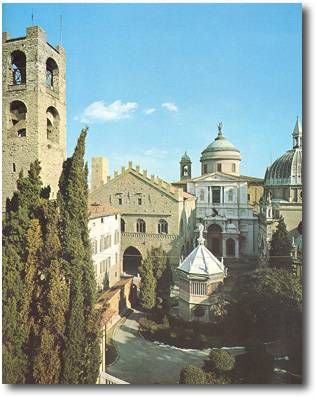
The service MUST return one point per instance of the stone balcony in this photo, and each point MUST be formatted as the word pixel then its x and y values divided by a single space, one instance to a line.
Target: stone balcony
pixel 158 236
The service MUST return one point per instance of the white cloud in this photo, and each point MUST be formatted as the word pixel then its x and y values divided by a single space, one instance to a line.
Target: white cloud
pixel 156 153
pixel 171 107
pixel 100 112
pixel 150 110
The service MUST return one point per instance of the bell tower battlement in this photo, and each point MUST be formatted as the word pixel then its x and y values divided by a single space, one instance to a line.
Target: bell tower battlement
pixel 33 108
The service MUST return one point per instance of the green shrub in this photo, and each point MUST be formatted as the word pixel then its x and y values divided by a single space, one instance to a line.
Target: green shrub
pixel 191 375
pixel 212 378
pixel 219 361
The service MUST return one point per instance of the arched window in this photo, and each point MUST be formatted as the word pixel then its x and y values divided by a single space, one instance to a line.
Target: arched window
pixel 122 225
pixel 163 226
pixel 18 119
pixel 51 73
pixel 230 247
pixel 140 226
pixel 53 120
pixel 18 67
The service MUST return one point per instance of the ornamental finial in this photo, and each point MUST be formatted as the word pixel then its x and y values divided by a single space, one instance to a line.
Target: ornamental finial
pixel 201 239
pixel 219 128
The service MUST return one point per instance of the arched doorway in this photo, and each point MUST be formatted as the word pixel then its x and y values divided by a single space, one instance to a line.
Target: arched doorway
pixel 214 239
pixel 230 247
pixel 131 261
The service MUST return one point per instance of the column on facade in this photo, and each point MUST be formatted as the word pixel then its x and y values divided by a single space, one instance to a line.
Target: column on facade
pixel 237 247
pixel 224 247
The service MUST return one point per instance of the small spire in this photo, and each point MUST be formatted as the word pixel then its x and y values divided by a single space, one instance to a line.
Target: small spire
pixel 297 134
pixel 298 128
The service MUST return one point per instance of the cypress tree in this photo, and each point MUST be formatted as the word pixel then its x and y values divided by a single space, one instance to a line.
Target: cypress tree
pixel 280 251
pixel 53 303
pixel 81 358
pixel 148 293
pixel 20 210
pixel 157 266
pixel 34 286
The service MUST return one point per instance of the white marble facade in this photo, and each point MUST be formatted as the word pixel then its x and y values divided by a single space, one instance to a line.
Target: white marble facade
pixel 231 227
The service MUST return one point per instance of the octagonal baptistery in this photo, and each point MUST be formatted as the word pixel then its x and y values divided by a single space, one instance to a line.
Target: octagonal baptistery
pixel 220 156
pixel 201 277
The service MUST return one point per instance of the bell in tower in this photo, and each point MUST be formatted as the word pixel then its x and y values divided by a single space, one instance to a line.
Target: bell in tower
pixel 185 167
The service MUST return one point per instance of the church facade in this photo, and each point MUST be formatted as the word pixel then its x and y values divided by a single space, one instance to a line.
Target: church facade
pixel 153 213
pixel 227 202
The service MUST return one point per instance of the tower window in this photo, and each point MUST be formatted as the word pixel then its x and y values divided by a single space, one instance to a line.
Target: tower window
pixel 205 169
pixel 139 201
pixel 18 67
pixel 122 225
pixel 219 167
pixel 51 73
pixel 22 133
pixel 13 167
pixel 17 123
pixel 120 201
pixel 233 167
pixel 52 120
pixel 185 170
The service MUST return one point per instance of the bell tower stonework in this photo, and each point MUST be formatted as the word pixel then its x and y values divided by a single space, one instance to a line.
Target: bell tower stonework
pixel 34 108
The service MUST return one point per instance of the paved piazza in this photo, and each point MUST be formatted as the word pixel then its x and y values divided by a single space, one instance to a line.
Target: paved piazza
pixel 143 362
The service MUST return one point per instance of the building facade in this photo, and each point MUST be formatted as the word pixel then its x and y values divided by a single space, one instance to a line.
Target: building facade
pixel 153 213
pixel 34 108
pixel 283 195
pixel 105 235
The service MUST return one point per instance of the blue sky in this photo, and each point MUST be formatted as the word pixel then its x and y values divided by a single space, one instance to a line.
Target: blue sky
pixel 153 80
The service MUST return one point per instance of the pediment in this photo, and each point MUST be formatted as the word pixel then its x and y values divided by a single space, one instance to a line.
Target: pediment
pixel 216 177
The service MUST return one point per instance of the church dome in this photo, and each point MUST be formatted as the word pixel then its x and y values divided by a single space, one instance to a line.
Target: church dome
pixel 220 144
pixel 287 169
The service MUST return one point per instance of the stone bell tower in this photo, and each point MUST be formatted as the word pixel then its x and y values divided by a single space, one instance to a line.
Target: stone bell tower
pixel 34 108
pixel 185 167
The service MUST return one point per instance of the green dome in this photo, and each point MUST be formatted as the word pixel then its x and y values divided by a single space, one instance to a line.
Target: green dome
pixel 220 144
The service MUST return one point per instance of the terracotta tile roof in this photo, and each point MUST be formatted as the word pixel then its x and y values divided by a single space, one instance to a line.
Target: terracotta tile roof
pixel 96 210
